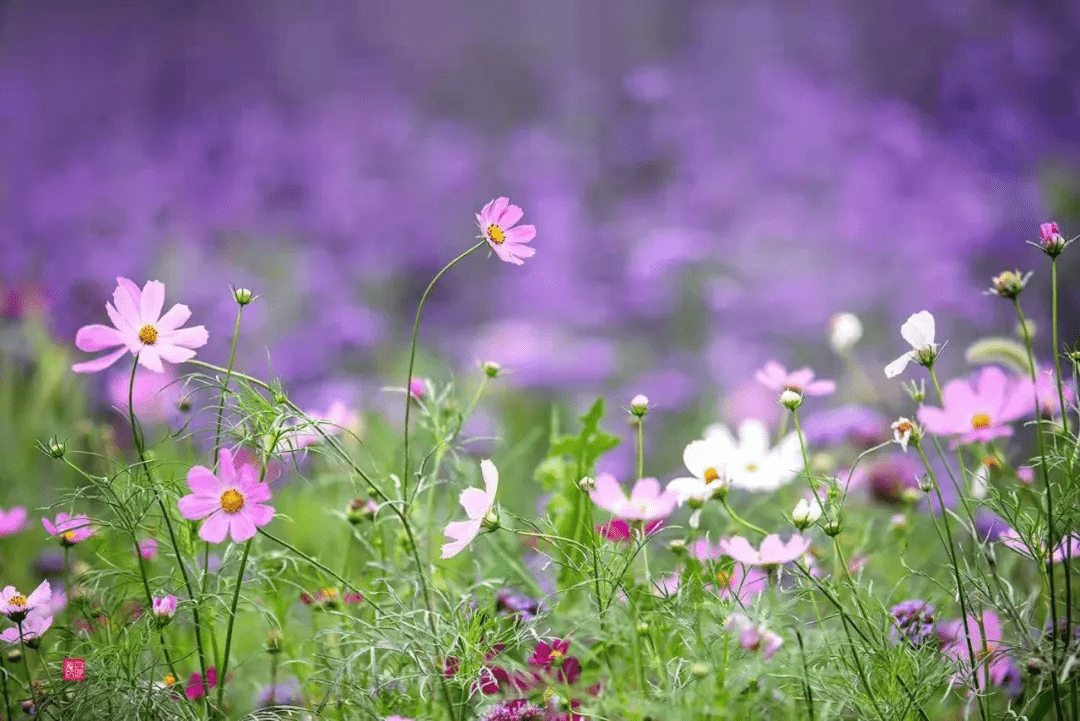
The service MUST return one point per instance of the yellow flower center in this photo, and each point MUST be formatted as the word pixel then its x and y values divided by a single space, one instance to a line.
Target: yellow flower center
pixel 555 654
pixel 723 577
pixel 232 501
pixel 711 475
pixel 329 593
pixel 903 428
pixel 69 536
pixel 18 600
pixel 497 234
pixel 169 680
pixel 148 335
pixel 751 468
pixel 991 462
pixel 980 420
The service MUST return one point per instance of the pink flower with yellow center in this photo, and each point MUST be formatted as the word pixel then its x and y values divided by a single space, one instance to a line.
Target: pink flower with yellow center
pixel 69 530
pixel 773 551
pixel 979 411
pixel 647 502
pixel 12 521
pixel 776 377
pixel 139 327
pixel 231 503
pixel 498 226
pixel 16 606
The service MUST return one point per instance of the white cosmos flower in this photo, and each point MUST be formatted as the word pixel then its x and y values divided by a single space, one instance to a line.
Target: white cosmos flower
pixel 752 465
pixel 918 331
pixel 706 461
pixel 845 330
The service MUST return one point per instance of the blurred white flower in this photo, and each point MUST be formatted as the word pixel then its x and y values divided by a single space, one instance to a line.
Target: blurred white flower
pixel 845 330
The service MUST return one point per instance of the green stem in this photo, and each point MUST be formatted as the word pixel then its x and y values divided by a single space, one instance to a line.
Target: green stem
pixel 1043 462
pixel 225 385
pixel 229 628
pixel 1057 352
pixel 735 517
pixel 640 447
pixel 806 458
pixel 7 698
pixel 26 666
pixel 67 591
pixel 412 361
pixel 137 437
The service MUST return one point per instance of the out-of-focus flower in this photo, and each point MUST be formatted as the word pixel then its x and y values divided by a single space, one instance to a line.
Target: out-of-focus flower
pixel 913 622
pixel 1026 475
pixel 231 504
pixel 13 521
pixel 918 331
pixel 285 692
pixel 645 503
pixel 140 328
pixel 1009 283
pixel 980 411
pixel 518 709
pixel 497 221
pixel 892 479
pixel 989 651
pixel 478 507
pixel 740 582
pixel 776 377
pixel 164 608
pixel 806 514
pixel 753 637
pixel 639 405
pixel 705 460
pixel 861 426
pixel 1067 548
pixel 517 605
pixel 1050 240
pixel 338 419
pixel 148 548
pixel 619 530
pixel 845 330
pixel 1047 392
pixel 196 688
pixel 156 396
pixel 419 388
pixel 69 530
pixel 772 552
pixel 16 606
pixel 904 432
pixel 752 465
pixel 33 627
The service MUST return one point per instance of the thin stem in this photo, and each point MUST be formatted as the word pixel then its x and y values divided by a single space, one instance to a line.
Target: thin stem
pixel 1057 353
pixel 225 385
pixel 806 677
pixel 26 666
pixel 412 360
pixel 7 698
pixel 806 458
pixel 232 620
pixel 67 592
pixel 735 517
pixel 1043 462
pixel 640 447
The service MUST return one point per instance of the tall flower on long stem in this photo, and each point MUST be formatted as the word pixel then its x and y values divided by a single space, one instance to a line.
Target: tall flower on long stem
pixel 139 327
pixel 497 221
pixel 477 505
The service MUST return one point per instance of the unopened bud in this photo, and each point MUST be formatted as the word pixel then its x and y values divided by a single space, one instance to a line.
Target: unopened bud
pixel 699 670
pixel 274 641
pixel 642 628
pixel 898 523
pixel 791 399
pixel 805 514
pixel 14 655
pixel 491 369
pixel 361 510
pixel 916 390
pixel 909 496
pixel 639 406
pixel 1050 240
pixel 926 484
pixel 587 484
pixel 695 502
pixel 491 521
pixel 55 448
pixel 1009 283
pixel 242 296
pixel 831 528
pixel 1035 665
pixel 677 546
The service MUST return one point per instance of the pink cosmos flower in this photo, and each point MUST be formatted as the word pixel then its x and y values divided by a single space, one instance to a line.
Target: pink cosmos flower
pixel 497 220
pixel 776 377
pixel 954 636
pixel 1046 390
pixel 418 388
pixel 164 608
pixel 156 396
pixel 741 582
pixel 617 530
pixel 16 606
pixel 1048 232
pixel 337 419
pixel 69 530
pixel 139 327
pixel 1068 548
pixel 773 551
pixel 34 627
pixel 646 502
pixel 477 505
pixel 980 411
pixel 13 521
pixel 232 504
pixel 195 688
pixel 753 637
pixel 148 548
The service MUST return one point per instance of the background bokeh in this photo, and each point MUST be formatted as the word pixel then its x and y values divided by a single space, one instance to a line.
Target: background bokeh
pixel 710 181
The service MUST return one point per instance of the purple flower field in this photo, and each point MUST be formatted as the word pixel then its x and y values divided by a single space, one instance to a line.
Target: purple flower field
pixel 539 361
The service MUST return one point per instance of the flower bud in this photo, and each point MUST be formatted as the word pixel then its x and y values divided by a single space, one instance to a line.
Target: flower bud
pixel 163 610
pixel 695 503
pixel 587 484
pixel 909 496
pixel 904 432
pixel 845 330
pixel 791 399
pixel 361 510
pixel 642 628
pixel 1009 283
pixel 491 521
pixel 805 514
pixel 926 484
pixel 14 654
pixel 1050 240
pixel 242 296
pixel 916 390
pixel 831 528
pixel 898 523
pixel 699 670
pixel 491 369
pixel 1035 665
pixel 55 448
pixel 274 642
pixel 677 546
pixel 639 406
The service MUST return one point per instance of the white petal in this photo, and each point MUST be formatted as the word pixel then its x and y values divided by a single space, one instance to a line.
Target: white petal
pixel 918 330
pixel 897 366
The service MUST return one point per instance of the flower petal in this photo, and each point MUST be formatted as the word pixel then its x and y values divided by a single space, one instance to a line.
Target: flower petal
pixel 149 359
pixel 197 506
pixel 99 364
pixel 475 502
pixel 214 528
pixel 174 353
pixel 201 479
pixel 151 302
pixel 193 337
pixel 918 330
pixel 491 477
pixel 897 366
pixel 176 317
pixel 510 216
pixel 95 337
pixel 520 234
pixel 241 527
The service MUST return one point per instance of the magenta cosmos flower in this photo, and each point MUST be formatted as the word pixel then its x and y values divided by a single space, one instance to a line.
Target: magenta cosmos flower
pixel 980 411
pixel 139 327
pixel 776 377
pixel 772 553
pixel 646 502
pixel 231 504
pixel 69 530
pixel 497 224
pixel 16 606
pixel 753 637
pixel 477 505
pixel 13 521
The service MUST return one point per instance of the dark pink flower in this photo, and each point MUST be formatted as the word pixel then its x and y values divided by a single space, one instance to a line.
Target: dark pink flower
pixel 13 521
pixel 554 659
pixel 979 411
pixel 497 221
pixel 753 637
pixel 195 687
pixel 139 327
pixel 148 548
pixel 619 530
pixel 777 378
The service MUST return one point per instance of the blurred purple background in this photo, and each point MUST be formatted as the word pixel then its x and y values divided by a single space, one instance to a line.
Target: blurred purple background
pixel 710 181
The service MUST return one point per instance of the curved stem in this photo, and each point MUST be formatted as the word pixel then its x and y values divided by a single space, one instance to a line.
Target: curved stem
pixel 412 361
pixel 26 666
pixel 735 517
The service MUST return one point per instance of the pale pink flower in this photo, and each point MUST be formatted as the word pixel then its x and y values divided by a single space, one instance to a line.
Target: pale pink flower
pixel 980 411
pixel 985 642
pixel 741 582
pixel 497 222
pixel 16 606
pixel 753 637
pixel 777 378
pixel 148 548
pixel 1068 548
pixel 34 626
pixel 13 521
pixel 1047 392
pixel 69 530
pixel 646 502
pixel 156 396
pixel 773 551
pixel 338 419
pixel 231 504
pixel 477 505
pixel 139 327
pixel 164 608
pixel 666 586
